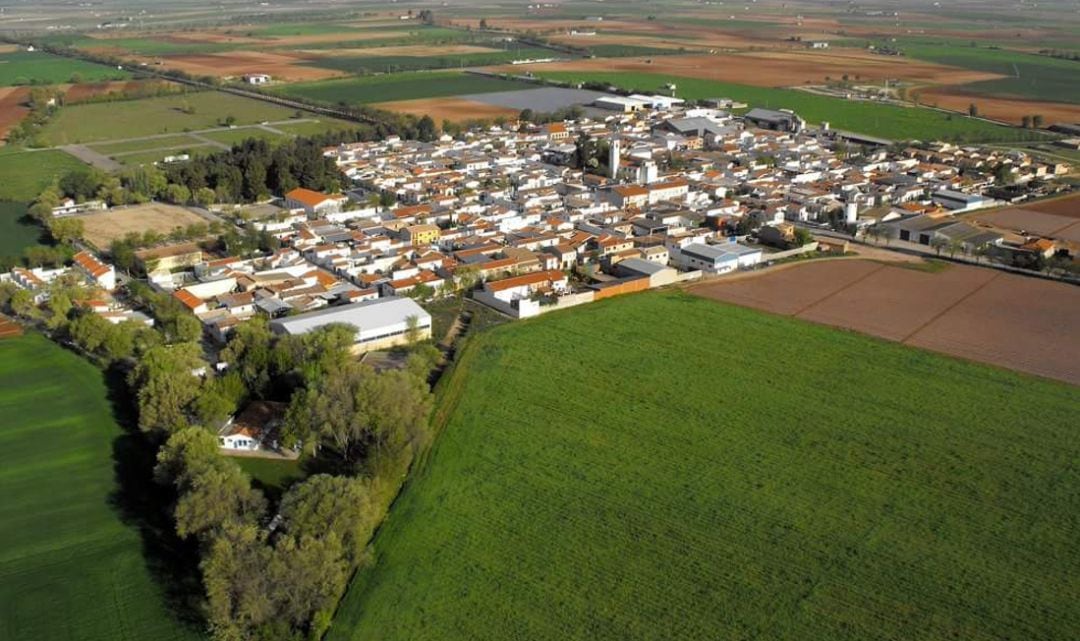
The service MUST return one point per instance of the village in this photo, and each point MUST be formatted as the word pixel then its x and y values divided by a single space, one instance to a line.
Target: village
pixel 533 218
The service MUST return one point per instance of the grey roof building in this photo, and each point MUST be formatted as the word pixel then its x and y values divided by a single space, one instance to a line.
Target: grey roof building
pixel 375 320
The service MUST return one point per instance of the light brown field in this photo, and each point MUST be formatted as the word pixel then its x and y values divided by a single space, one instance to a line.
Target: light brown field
pixel 1010 110
pixel 280 66
pixel 102 228
pixel 402 50
pixel 452 109
pixel 1012 321
pixel 12 107
pixel 8 48
pixel 1057 218
pixel 778 68
pixel 9 328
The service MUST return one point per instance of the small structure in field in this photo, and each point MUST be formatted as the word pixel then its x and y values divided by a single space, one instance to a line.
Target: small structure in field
pixel 256 429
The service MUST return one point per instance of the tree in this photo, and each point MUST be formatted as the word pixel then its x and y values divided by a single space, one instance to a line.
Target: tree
pixel 166 385
pixel 1037 121
pixel 938 243
pixel 219 399
pixel 483 23
pixel 237 572
pixel 205 197
pixel 802 237
pixel 412 329
pixel 219 497
pixel 22 304
pixel 326 505
pixel 426 130
pixel 177 194
pixel 65 230
pixel 1026 122
pixel 973 110
pixel 526 115
pixel 249 354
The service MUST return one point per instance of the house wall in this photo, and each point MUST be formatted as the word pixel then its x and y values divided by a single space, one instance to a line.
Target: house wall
pixel 628 287
pixel 423 333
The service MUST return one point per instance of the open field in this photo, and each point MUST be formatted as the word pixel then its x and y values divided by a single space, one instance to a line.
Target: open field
pixel 279 65
pixel 102 228
pixel 452 109
pixel 733 475
pixel 72 564
pixel 26 173
pixel 368 64
pixel 9 328
pixel 12 107
pixel 1030 219
pixel 17 231
pixel 779 68
pixel 36 67
pixel 149 116
pixel 981 314
pixel 887 121
pixel 398 86
pixel 1010 110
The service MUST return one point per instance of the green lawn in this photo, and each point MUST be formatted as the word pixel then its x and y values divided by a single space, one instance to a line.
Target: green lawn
pixel 36 67
pixel 16 232
pixel 70 567
pixel 399 86
pixel 109 148
pixel 23 174
pixel 887 121
pixel 153 156
pixel 149 116
pixel 274 474
pixel 660 466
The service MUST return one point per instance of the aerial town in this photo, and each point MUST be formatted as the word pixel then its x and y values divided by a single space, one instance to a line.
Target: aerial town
pixel 669 193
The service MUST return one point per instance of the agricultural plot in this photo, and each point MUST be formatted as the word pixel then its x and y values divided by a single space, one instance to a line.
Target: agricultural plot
pixel 71 565
pixel 36 67
pixel 149 116
pixel 886 121
pixel 1059 218
pixel 17 231
pixel 629 483
pixel 26 173
pixel 452 109
pixel 398 86
pixel 368 64
pixel 981 314
pixel 102 228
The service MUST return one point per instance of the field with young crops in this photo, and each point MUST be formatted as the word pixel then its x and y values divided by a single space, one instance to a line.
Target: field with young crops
pixel 72 563
pixel 875 119
pixel 661 466
pixel 398 86
pixel 37 67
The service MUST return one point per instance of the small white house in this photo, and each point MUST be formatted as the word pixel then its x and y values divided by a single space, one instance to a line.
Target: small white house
pixel 256 78
pixel 255 429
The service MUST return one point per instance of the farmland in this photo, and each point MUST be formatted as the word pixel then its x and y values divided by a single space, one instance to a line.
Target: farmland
pixel 150 116
pixel 398 86
pixel 981 314
pixel 26 173
pixel 390 63
pixel 35 67
pixel 887 121
pixel 72 567
pixel 620 485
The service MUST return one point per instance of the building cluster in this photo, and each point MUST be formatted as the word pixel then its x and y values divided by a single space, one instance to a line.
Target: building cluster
pixel 540 217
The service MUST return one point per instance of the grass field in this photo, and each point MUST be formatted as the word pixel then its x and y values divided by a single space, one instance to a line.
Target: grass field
pixel 25 173
pixel 1029 76
pixel 70 568
pixel 398 86
pixel 149 116
pixel 26 67
pixel 664 467
pixel 16 233
pixel 887 121
pixel 388 64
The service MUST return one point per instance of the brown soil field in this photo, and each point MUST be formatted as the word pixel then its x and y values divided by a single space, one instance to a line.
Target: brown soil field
pixel 1068 206
pixel 280 66
pixel 1028 220
pixel 8 48
pixel 403 50
pixel 1004 109
pixel 452 109
pixel 102 228
pixel 12 109
pixel 1016 322
pixel 286 41
pixel 779 68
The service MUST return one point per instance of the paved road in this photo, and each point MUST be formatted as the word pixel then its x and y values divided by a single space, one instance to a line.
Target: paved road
pixel 91 157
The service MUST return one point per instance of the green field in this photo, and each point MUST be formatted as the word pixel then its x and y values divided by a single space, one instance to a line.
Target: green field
pixel 660 466
pixel 16 232
pixel 36 67
pixel 25 173
pixel 149 116
pixel 153 156
pixel 70 567
pixel 886 121
pixel 110 148
pixel 398 86
pixel 390 64
pixel 1028 76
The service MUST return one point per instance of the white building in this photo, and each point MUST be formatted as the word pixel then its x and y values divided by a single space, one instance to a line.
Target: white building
pixel 381 323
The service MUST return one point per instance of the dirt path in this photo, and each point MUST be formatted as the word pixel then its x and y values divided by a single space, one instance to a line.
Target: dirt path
pixel 91 157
